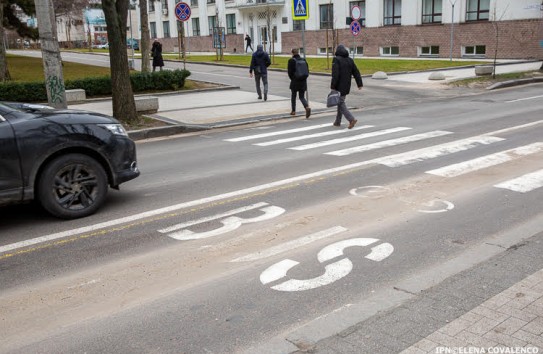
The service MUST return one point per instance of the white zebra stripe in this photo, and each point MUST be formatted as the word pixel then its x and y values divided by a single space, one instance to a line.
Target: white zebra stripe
pixel 388 143
pixel 486 161
pixel 436 151
pixel 525 183
pixel 350 138
pixel 302 137
pixel 281 132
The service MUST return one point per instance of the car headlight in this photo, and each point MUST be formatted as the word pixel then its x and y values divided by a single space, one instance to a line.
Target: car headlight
pixel 115 129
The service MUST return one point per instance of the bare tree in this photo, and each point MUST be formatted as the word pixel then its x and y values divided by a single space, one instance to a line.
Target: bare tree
pixel 116 14
pixel 145 43
pixel 70 10
pixel 497 30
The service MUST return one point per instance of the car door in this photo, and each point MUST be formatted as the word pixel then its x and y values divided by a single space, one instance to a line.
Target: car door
pixel 11 182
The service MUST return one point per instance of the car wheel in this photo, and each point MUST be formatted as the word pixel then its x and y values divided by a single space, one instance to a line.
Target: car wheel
pixel 72 186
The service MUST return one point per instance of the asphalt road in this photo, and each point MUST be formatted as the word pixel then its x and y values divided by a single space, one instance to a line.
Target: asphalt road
pixel 221 244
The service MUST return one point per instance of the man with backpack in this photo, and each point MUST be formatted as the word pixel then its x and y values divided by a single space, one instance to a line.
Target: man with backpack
pixel 298 71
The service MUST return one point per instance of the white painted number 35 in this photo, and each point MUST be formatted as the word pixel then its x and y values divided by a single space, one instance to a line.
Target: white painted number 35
pixel 333 271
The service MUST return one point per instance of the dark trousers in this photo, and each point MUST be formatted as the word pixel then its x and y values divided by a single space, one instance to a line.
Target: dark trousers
pixel 249 46
pixel 301 95
pixel 342 110
pixel 264 78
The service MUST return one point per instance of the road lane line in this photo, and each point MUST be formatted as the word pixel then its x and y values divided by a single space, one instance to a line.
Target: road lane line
pixel 525 183
pixel 350 138
pixel 281 132
pixel 524 99
pixel 309 136
pixel 302 241
pixel 517 127
pixel 388 143
pixel 202 201
pixel 482 162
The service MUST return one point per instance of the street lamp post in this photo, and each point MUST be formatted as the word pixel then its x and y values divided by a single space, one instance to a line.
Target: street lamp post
pixel 452 27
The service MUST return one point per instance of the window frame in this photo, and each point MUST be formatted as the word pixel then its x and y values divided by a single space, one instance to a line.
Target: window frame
pixel 211 24
pixel 430 53
pixel 390 50
pixel 166 29
pixel 195 26
pixel 479 12
pixel 429 18
pixel 475 49
pixel 298 25
pixel 329 22
pixel 231 25
pixel 393 19
pixel 152 29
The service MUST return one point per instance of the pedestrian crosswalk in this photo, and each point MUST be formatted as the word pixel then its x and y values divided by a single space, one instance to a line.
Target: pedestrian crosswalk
pixel 317 138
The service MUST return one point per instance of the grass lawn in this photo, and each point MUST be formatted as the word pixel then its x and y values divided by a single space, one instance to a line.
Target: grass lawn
pixel 485 81
pixel 31 69
pixel 367 66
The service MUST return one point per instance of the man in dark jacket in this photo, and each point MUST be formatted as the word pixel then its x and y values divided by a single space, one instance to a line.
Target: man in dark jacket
pixel 249 41
pixel 259 64
pixel 343 68
pixel 297 85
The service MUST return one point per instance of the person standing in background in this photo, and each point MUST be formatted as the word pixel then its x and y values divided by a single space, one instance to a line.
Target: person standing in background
pixel 156 54
pixel 249 41
pixel 298 82
pixel 259 64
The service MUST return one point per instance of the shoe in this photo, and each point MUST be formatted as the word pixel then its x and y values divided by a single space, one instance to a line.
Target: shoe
pixel 337 124
pixel 352 123
pixel 259 97
pixel 265 96
pixel 307 112
pixel 293 113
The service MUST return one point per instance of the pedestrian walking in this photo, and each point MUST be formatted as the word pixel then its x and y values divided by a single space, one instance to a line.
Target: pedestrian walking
pixel 259 64
pixel 298 72
pixel 249 41
pixel 343 68
pixel 156 54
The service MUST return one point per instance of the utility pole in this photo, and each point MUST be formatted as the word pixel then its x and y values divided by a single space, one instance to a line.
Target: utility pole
pixel 452 27
pixel 52 63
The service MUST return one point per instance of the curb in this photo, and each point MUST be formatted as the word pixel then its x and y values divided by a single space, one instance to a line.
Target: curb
pixel 512 83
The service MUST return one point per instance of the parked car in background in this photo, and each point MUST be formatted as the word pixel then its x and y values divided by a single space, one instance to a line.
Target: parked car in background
pixel 132 43
pixel 64 159
pixel 101 46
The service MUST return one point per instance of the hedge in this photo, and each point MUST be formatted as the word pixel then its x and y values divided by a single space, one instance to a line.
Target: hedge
pixel 95 86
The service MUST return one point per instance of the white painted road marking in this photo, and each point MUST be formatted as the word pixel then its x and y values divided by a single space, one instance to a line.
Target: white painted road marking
pixel 431 152
pixel 349 138
pixel 229 224
pixel 524 99
pixel 291 245
pixel 388 143
pixel 309 136
pixel 333 271
pixel 281 132
pixel 370 191
pixel 486 161
pixel 434 204
pixel 524 183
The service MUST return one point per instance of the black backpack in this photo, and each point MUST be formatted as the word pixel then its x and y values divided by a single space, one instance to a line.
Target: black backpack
pixel 302 70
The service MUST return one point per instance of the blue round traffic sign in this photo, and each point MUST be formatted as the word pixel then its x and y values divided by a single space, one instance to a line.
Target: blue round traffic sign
pixel 355 28
pixel 182 11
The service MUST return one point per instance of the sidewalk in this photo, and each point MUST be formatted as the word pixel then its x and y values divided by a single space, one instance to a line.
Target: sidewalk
pixel 495 307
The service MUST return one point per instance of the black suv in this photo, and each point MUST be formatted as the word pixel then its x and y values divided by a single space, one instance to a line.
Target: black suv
pixel 65 159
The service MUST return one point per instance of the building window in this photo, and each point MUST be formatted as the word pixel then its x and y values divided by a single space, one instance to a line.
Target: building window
pixel 429 51
pixel 474 51
pixel 210 1
pixel 152 29
pixel 390 51
pixel 478 10
pixel 193 3
pixel 166 28
pixel 298 25
pixel 212 22
pixel 359 50
pixel 323 50
pixel 231 24
pixel 327 16
pixel 362 6
pixel 151 6
pixel 274 34
pixel 164 7
pixel 393 12
pixel 195 26
pixel 431 11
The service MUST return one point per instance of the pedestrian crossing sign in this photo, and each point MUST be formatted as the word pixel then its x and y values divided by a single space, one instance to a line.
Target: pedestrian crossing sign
pixel 300 10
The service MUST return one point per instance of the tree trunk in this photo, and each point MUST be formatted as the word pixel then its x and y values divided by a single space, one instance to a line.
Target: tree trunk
pixel 145 45
pixel 116 14
pixel 52 63
pixel 4 72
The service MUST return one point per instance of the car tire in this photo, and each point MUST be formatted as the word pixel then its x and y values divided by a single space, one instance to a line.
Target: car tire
pixel 72 186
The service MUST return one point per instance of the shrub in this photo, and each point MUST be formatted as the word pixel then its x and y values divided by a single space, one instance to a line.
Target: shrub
pixel 95 86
